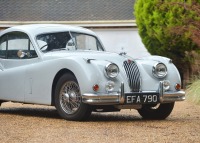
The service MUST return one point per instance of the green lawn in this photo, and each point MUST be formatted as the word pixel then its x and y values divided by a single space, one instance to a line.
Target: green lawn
pixel 193 92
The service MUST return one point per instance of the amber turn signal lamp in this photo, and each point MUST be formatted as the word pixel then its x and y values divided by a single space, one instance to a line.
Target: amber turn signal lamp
pixel 96 87
pixel 178 86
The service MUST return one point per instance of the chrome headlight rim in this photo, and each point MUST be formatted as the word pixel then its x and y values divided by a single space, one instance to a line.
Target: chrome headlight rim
pixel 158 73
pixel 111 70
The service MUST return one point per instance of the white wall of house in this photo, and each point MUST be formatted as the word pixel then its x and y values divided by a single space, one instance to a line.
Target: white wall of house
pixel 122 39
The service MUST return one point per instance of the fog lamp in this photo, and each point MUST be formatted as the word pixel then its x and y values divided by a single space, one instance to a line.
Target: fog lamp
pixel 166 84
pixel 110 86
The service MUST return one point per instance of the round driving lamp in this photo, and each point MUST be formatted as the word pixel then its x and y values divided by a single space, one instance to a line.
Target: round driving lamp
pixel 159 70
pixel 110 85
pixel 112 70
pixel 166 85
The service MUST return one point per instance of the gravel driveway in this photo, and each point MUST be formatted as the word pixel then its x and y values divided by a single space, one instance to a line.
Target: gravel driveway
pixel 32 123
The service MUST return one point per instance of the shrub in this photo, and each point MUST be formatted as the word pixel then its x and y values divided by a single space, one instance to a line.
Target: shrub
pixel 169 28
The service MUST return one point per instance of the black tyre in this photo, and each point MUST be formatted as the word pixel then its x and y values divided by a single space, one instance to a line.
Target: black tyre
pixel 1 102
pixel 156 112
pixel 68 99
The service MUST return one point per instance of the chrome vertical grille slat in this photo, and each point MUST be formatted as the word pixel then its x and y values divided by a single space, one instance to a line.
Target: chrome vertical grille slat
pixel 133 75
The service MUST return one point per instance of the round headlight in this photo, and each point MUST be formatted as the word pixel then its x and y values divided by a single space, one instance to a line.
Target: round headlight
pixel 159 70
pixel 112 70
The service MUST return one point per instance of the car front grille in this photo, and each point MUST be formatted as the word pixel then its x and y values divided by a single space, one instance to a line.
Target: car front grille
pixel 133 75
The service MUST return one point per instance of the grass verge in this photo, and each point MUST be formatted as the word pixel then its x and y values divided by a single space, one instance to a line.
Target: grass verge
pixel 193 92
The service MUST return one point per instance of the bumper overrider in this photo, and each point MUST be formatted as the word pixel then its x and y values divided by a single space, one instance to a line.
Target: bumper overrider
pixel 123 98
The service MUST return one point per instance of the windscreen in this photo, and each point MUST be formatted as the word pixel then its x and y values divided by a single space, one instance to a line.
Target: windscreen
pixel 67 41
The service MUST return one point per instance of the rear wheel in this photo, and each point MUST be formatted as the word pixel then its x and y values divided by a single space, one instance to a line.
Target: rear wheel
pixel 1 102
pixel 156 112
pixel 68 99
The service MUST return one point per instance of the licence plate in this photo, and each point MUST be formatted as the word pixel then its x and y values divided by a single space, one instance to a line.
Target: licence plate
pixel 141 98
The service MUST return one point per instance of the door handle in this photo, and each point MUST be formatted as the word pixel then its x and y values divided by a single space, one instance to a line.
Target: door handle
pixel 1 67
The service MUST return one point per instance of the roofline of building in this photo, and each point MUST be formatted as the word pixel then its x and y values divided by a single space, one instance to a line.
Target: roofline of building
pixel 113 23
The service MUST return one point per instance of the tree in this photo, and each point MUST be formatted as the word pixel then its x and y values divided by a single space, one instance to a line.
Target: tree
pixel 166 29
pixel 191 25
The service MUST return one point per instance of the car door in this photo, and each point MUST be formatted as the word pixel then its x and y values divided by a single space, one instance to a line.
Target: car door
pixel 15 52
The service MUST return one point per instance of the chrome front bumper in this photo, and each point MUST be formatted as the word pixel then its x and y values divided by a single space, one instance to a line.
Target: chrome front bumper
pixel 118 98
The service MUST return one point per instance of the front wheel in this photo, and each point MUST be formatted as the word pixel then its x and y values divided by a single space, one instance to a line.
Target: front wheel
pixel 156 112
pixel 68 99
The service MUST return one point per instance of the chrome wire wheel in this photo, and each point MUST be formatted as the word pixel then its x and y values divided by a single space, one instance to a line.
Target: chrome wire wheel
pixel 67 99
pixel 70 97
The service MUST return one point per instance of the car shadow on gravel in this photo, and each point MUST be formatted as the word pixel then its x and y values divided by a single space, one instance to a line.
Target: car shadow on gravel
pixel 51 112
pixel 31 112
pixel 98 117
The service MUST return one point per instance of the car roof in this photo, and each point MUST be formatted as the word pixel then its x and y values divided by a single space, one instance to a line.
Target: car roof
pixel 36 29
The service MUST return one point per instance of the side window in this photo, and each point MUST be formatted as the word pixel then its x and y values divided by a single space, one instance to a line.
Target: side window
pixel 86 42
pixel 3 44
pixel 16 42
pixel 54 41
